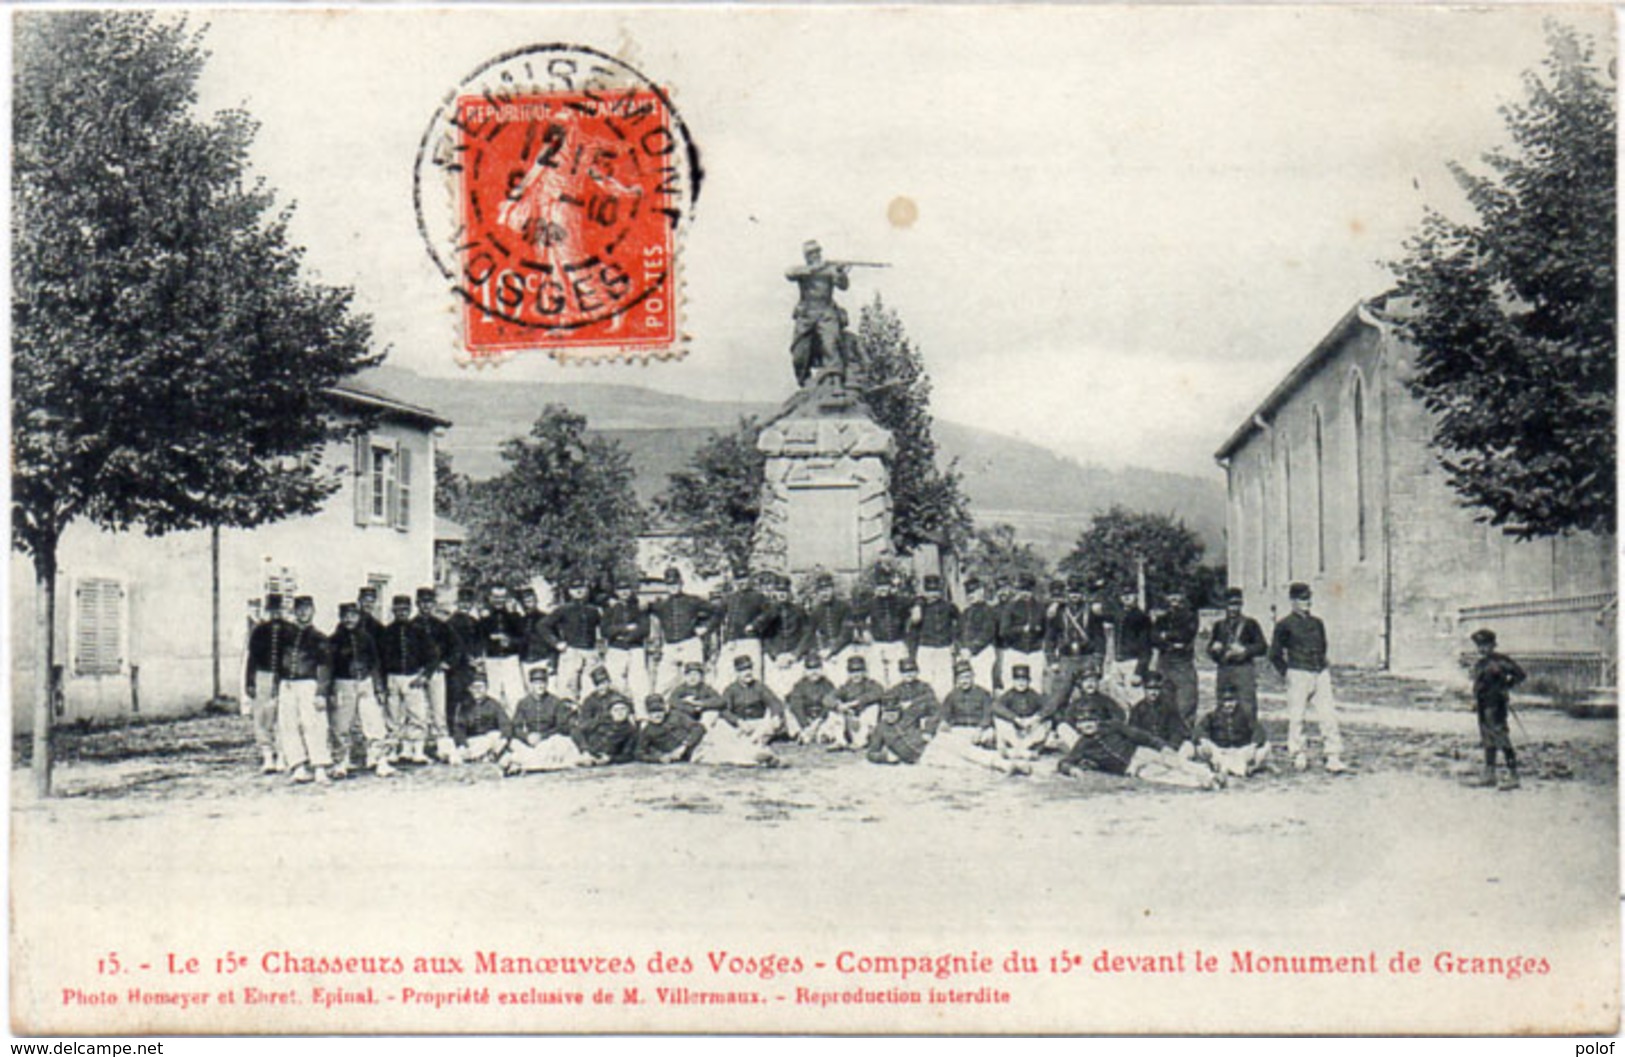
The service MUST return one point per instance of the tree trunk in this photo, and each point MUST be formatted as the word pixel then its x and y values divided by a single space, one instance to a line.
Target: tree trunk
pixel 44 663
pixel 214 612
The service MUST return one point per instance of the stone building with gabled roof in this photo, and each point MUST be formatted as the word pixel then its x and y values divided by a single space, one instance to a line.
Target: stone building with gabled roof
pixel 1332 481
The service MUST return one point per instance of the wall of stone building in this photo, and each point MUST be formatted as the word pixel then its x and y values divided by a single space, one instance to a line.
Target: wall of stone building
pixel 1296 502
pixel 1445 562
pixel 1295 515
pixel 164 604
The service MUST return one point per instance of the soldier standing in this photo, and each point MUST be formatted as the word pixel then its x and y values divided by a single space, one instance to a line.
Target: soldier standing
pixel 935 627
pixel 886 622
pixel 304 682
pixel 786 628
pixel 831 629
pixel 445 647
pixel 541 649
pixel 358 693
pixel 1021 629
pixel 1174 632
pixel 469 655
pixel 626 631
pixel 1131 656
pixel 1298 652
pixel 502 639
pixel 978 638
pixel 266 645
pixel 577 625
pixel 1235 642
pixel 1073 635
pixel 680 624
pixel 408 659
pixel 745 614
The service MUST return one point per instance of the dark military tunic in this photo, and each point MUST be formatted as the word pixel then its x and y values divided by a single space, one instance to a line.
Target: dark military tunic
pixel 682 617
pixel 809 699
pixel 501 634
pixel 577 624
pixel 978 627
pixel 968 708
pixel 542 717
pixel 938 625
pixel 625 625
pixel 407 649
pixel 676 733
pixel 1021 625
pixel 266 645
pixel 1300 644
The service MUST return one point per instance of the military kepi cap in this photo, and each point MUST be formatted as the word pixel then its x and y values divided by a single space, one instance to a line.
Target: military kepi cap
pixel 1021 671
pixel 367 594
pixel 1233 595
pixel 273 601
pixel 426 594
pixel 908 664
pixel 1484 637
pixel 856 664
pixel 401 600
pixel 346 608
pixel 304 600
pixel 1299 590
pixel 741 663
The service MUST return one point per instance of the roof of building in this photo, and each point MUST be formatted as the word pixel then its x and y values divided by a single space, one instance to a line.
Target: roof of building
pixel 1362 314
pixel 369 395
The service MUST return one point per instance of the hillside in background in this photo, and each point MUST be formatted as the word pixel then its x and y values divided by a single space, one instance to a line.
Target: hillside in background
pixel 1048 497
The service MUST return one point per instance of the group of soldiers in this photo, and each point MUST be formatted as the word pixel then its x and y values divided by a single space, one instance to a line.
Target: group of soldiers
pixel 991 684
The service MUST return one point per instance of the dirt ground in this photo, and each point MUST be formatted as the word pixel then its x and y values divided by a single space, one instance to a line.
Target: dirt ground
pixel 165 838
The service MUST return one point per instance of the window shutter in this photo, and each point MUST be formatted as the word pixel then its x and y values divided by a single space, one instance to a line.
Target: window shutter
pixel 98 630
pixel 403 466
pixel 363 479
pixel 392 488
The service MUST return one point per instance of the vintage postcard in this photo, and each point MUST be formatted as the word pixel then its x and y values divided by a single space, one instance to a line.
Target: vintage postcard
pixel 813 520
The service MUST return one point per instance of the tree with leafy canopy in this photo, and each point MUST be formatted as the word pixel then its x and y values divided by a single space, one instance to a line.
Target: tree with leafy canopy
pixel 995 554
pixel 1513 315
pixel 928 504
pixel 170 366
pixel 1111 549
pixel 717 499
pixel 451 487
pixel 564 506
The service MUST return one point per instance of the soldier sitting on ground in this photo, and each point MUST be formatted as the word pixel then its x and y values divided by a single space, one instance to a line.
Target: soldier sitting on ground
pixel 481 728
pixel 965 730
pixel 1072 701
pixel 610 737
pixel 1230 739
pixel 1159 714
pixel 900 732
pixel 693 696
pixel 667 736
pixel 1111 746
pixel 809 707
pixel 1021 718
pixel 856 703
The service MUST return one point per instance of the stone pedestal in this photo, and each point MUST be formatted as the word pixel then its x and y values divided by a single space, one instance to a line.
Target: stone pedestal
pixel 826 501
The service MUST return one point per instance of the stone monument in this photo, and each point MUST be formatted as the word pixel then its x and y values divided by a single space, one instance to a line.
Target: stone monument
pixel 826 502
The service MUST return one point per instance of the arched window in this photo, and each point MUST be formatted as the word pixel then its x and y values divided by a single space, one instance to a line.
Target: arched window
pixel 1262 517
pixel 1357 404
pixel 1286 502
pixel 1320 497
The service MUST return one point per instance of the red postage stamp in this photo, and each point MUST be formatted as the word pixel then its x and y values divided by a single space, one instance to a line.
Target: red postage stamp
pixel 571 176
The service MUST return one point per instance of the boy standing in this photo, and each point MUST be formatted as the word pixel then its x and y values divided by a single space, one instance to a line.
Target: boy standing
pixel 1494 676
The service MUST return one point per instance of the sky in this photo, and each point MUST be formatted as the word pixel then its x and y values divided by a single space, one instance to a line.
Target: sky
pixel 1130 222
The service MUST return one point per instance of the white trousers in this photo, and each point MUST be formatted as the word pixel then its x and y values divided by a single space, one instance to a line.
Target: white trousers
pixel 1302 690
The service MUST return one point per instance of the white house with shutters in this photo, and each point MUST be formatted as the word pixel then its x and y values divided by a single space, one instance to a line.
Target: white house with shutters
pixel 157 626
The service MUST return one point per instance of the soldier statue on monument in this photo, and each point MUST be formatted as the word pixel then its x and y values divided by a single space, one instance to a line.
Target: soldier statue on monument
pixel 822 347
